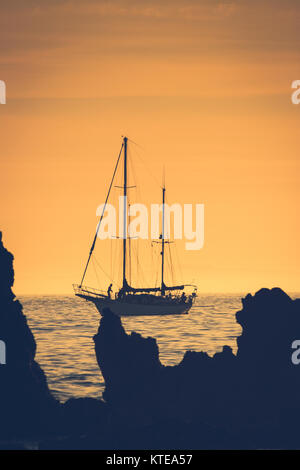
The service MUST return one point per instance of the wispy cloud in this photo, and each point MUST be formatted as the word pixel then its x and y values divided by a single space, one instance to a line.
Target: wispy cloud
pixel 61 38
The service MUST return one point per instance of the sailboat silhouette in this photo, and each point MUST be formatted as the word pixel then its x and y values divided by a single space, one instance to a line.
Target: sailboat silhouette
pixel 162 300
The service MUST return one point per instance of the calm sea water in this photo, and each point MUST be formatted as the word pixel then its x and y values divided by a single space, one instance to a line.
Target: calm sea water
pixel 64 327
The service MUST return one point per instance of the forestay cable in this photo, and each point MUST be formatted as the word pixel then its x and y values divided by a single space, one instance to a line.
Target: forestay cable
pixel 104 207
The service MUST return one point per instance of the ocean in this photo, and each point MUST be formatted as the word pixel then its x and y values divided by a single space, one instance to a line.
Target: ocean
pixel 64 327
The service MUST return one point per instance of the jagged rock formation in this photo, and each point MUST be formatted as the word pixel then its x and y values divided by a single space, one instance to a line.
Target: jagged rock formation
pixel 252 397
pixel 271 381
pixel 27 407
pixel 129 364
pixel 26 404
pixel 144 391
pixel 248 400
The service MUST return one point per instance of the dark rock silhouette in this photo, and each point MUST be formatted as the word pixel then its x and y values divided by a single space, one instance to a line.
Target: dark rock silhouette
pixel 129 364
pixel 26 405
pixel 27 408
pixel 249 400
pixel 84 416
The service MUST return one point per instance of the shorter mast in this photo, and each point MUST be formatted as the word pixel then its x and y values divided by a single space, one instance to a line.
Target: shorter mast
pixel 125 285
pixel 163 242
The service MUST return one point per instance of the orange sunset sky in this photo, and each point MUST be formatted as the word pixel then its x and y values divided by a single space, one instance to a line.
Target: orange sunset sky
pixel 204 88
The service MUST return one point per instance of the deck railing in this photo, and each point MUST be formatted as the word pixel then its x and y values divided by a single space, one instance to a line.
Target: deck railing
pixel 91 291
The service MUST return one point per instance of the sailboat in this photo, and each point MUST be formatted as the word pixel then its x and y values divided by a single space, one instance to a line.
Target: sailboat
pixel 136 301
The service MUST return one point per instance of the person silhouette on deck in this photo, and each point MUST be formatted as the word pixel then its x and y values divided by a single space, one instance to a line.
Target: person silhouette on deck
pixel 109 290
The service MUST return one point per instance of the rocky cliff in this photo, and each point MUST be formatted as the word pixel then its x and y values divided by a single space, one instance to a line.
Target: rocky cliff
pixel 26 404
pixel 252 397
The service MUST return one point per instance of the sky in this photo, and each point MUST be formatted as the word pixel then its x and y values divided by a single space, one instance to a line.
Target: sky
pixel 203 88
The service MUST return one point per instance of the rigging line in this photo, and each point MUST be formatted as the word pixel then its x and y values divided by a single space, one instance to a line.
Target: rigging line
pixel 153 262
pixel 139 274
pixel 98 283
pixel 104 207
pixel 167 265
pixel 129 248
pixel 157 274
pixel 114 245
pixel 99 266
pixel 139 268
pixel 111 258
pixel 119 264
pixel 178 263
pixel 133 263
pixel 147 167
pixel 116 257
pixel 135 179
pixel 151 251
pixel 138 145
pixel 171 265
pixel 136 254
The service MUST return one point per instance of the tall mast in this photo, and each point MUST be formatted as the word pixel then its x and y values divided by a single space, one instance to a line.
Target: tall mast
pixel 125 213
pixel 163 242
